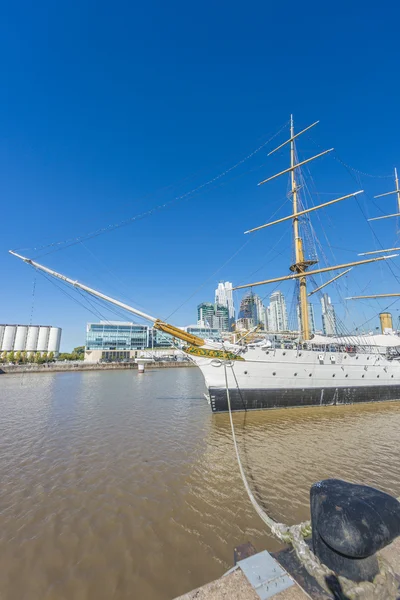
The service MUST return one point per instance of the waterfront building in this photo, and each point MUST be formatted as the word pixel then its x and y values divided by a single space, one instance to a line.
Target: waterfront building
pixel 123 341
pixel 30 338
pixel 211 333
pixel 110 340
pixel 328 316
pixel 224 297
pixel 159 339
pixel 278 312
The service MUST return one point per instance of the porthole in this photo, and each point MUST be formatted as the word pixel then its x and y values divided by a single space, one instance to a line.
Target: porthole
pixel 346 375
pixel 363 376
pixel 392 376
pixel 378 376
pixel 283 353
pixel 274 373
pixel 310 375
pixel 295 374
pixel 333 375
pixel 245 372
pixel 356 357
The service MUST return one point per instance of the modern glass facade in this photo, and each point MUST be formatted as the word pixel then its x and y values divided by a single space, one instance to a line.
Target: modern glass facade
pixel 159 339
pixel 221 318
pixel 204 332
pixel 116 335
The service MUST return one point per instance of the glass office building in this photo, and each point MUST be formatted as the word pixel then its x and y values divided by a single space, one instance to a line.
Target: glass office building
pixel 116 335
pixel 210 333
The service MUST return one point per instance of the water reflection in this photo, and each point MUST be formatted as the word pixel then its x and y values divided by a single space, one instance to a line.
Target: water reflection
pixel 119 485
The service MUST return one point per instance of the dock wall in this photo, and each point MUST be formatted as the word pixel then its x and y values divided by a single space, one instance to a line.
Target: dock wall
pixel 82 366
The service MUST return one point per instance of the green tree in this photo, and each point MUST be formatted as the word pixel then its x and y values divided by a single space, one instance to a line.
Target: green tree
pixel 18 357
pixel 50 357
pixel 79 350
pixel 10 357
pixel 44 357
pixel 24 357
pixel 3 357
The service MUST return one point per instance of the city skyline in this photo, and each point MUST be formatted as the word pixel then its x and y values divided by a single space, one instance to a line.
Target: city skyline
pixel 272 317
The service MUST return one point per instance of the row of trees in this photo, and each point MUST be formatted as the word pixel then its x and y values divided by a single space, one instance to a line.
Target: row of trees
pixel 76 354
pixel 20 358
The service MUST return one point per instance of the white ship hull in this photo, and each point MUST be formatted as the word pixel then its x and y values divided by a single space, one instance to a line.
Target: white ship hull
pixel 268 378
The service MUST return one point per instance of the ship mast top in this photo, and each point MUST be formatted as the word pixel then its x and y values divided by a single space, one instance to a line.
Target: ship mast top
pixel 300 267
pixel 397 192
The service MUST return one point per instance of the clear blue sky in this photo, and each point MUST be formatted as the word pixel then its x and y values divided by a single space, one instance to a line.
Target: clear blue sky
pixel 109 109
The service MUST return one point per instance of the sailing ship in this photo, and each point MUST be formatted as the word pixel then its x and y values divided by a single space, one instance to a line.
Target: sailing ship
pixel 313 371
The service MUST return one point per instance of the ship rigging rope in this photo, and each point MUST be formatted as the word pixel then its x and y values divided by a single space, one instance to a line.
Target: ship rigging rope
pixel 385 584
pixel 249 239
pixel 56 246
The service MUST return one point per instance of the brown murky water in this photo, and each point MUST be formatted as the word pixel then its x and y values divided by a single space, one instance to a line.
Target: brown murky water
pixel 120 486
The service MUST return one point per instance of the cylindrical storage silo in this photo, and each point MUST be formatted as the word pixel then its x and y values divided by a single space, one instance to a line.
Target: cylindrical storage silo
pixel 2 328
pixel 54 340
pixel 20 338
pixel 8 338
pixel 43 339
pixel 386 321
pixel 32 338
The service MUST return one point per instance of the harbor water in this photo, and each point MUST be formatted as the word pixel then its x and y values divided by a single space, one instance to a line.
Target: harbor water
pixel 116 485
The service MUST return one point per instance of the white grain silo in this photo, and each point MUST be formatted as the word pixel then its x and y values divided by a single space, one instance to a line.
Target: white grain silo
pixel 32 338
pixel 43 339
pixel 20 338
pixel 2 328
pixel 8 338
pixel 54 340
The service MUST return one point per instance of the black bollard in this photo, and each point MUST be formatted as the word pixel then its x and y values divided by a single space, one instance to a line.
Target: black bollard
pixel 350 523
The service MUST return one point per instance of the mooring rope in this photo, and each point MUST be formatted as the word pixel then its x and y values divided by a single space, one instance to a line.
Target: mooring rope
pixel 385 584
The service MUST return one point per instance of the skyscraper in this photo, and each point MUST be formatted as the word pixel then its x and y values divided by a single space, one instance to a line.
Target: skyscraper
pixel 224 297
pixel 328 316
pixel 248 318
pixel 277 312
pixel 220 319
pixel 205 314
pixel 260 311
pixel 214 316
pixel 311 318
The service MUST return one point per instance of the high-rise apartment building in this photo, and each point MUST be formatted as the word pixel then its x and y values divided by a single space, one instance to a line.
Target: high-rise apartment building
pixel 278 320
pixel 248 318
pixel 214 316
pixel 224 297
pixel 311 318
pixel 221 318
pixel 205 314
pixel 252 312
pixel 328 316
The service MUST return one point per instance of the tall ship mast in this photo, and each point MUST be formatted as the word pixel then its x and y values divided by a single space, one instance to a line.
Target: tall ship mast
pixel 315 370
pixel 397 192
